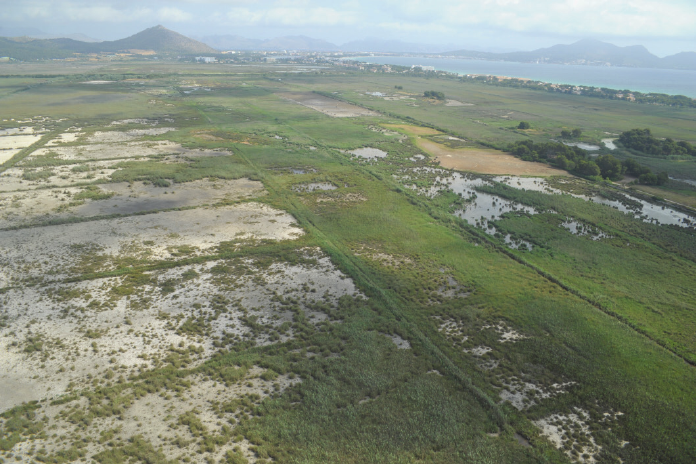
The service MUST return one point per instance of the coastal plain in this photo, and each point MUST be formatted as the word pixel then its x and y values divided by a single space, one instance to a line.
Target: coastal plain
pixel 241 264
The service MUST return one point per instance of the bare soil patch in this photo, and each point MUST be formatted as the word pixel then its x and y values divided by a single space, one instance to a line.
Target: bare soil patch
pixel 6 155
pixel 65 333
pixel 486 161
pixel 36 206
pixel 328 106
pixel 57 252
pixel 103 151
pixel 14 178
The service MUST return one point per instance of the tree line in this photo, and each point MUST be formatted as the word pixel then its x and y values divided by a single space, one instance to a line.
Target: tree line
pixel 576 161
pixel 594 92
pixel 643 141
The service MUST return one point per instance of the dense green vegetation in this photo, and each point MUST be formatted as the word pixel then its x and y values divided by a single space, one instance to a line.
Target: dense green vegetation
pixel 577 161
pixel 434 94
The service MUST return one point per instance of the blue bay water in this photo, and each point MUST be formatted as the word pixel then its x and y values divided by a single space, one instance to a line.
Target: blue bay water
pixel 646 80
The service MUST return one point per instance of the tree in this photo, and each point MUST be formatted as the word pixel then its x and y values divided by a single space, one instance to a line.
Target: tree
pixel 587 168
pixel 577 133
pixel 524 125
pixel 610 167
pixel 434 94
pixel 565 134
pixel 633 168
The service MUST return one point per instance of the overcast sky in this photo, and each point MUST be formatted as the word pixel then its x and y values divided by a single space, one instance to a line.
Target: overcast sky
pixel 664 26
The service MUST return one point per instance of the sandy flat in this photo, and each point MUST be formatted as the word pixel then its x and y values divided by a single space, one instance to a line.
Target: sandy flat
pixel 485 161
pixel 328 106
pixel 6 155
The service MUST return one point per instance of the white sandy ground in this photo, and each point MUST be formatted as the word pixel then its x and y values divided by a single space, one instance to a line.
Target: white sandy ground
pixel 67 137
pixel 6 155
pixel 62 176
pixel 457 103
pixel 51 252
pixel 521 394
pixel 18 141
pixel 125 136
pixel 156 418
pixel 134 330
pixel 144 122
pixel 119 150
pixel 22 208
pixel 25 130
pixel 553 425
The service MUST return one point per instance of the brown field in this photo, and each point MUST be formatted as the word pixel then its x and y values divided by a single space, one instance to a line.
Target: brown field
pixel 413 130
pixel 328 106
pixel 484 161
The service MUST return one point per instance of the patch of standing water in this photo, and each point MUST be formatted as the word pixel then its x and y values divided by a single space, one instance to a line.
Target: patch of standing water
pixel 314 186
pixel 584 146
pixel 482 207
pixel 578 228
pixel 609 143
pixel 688 181
pixel 648 212
pixel 369 153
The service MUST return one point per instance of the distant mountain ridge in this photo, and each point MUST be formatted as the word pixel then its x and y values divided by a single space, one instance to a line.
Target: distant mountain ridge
pixel 297 42
pixel 158 39
pixel 589 52
pixel 303 43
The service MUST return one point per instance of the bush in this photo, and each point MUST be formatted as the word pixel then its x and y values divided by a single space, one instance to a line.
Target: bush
pixel 524 125
pixel 434 94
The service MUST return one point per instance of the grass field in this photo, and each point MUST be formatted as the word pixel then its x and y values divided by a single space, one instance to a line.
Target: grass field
pixel 243 288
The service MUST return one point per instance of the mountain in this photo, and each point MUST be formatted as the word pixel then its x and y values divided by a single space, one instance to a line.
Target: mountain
pixel 34 33
pixel 158 38
pixel 591 52
pixel 235 42
pixel 683 60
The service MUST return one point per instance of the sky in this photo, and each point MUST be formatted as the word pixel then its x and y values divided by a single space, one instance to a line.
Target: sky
pixel 663 26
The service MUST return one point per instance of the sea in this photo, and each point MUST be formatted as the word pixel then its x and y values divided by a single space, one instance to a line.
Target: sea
pixel 645 80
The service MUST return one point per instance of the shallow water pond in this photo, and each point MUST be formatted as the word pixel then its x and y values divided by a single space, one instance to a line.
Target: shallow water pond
pixel 314 186
pixel 369 153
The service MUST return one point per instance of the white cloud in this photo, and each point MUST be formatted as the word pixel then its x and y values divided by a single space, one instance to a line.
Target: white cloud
pixel 173 15
pixel 291 16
